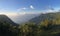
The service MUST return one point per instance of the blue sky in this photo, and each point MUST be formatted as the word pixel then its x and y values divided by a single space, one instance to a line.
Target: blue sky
pixel 28 5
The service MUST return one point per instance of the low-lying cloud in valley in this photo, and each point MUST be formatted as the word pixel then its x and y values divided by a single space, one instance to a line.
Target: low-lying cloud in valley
pixel 21 17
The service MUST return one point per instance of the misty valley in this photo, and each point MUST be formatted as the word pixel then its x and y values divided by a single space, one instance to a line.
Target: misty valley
pixel 41 25
pixel 29 17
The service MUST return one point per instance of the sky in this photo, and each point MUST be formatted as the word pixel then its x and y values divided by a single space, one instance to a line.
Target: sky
pixel 18 6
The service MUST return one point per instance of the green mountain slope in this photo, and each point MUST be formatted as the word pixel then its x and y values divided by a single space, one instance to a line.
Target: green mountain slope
pixel 48 25
pixel 48 16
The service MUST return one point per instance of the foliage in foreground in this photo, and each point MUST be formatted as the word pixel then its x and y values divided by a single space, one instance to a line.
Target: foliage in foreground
pixel 45 28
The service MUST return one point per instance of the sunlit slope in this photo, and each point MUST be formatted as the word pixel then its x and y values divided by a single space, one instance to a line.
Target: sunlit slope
pixel 54 17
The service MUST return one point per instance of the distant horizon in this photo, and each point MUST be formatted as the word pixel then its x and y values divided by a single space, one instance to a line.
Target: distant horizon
pixel 22 16
pixel 18 6
pixel 25 9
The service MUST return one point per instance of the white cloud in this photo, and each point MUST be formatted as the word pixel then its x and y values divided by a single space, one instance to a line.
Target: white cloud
pixel 24 8
pixel 31 7
pixel 20 9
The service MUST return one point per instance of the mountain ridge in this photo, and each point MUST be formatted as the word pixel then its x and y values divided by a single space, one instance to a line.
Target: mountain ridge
pixel 6 19
pixel 42 17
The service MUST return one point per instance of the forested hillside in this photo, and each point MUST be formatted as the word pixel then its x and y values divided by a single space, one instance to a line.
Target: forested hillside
pixel 49 25
pixel 47 16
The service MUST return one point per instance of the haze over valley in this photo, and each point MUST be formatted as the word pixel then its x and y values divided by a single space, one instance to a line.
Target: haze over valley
pixel 24 16
pixel 29 17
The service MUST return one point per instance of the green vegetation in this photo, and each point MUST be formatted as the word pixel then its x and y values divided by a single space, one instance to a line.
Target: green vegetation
pixel 48 27
pixel 45 28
